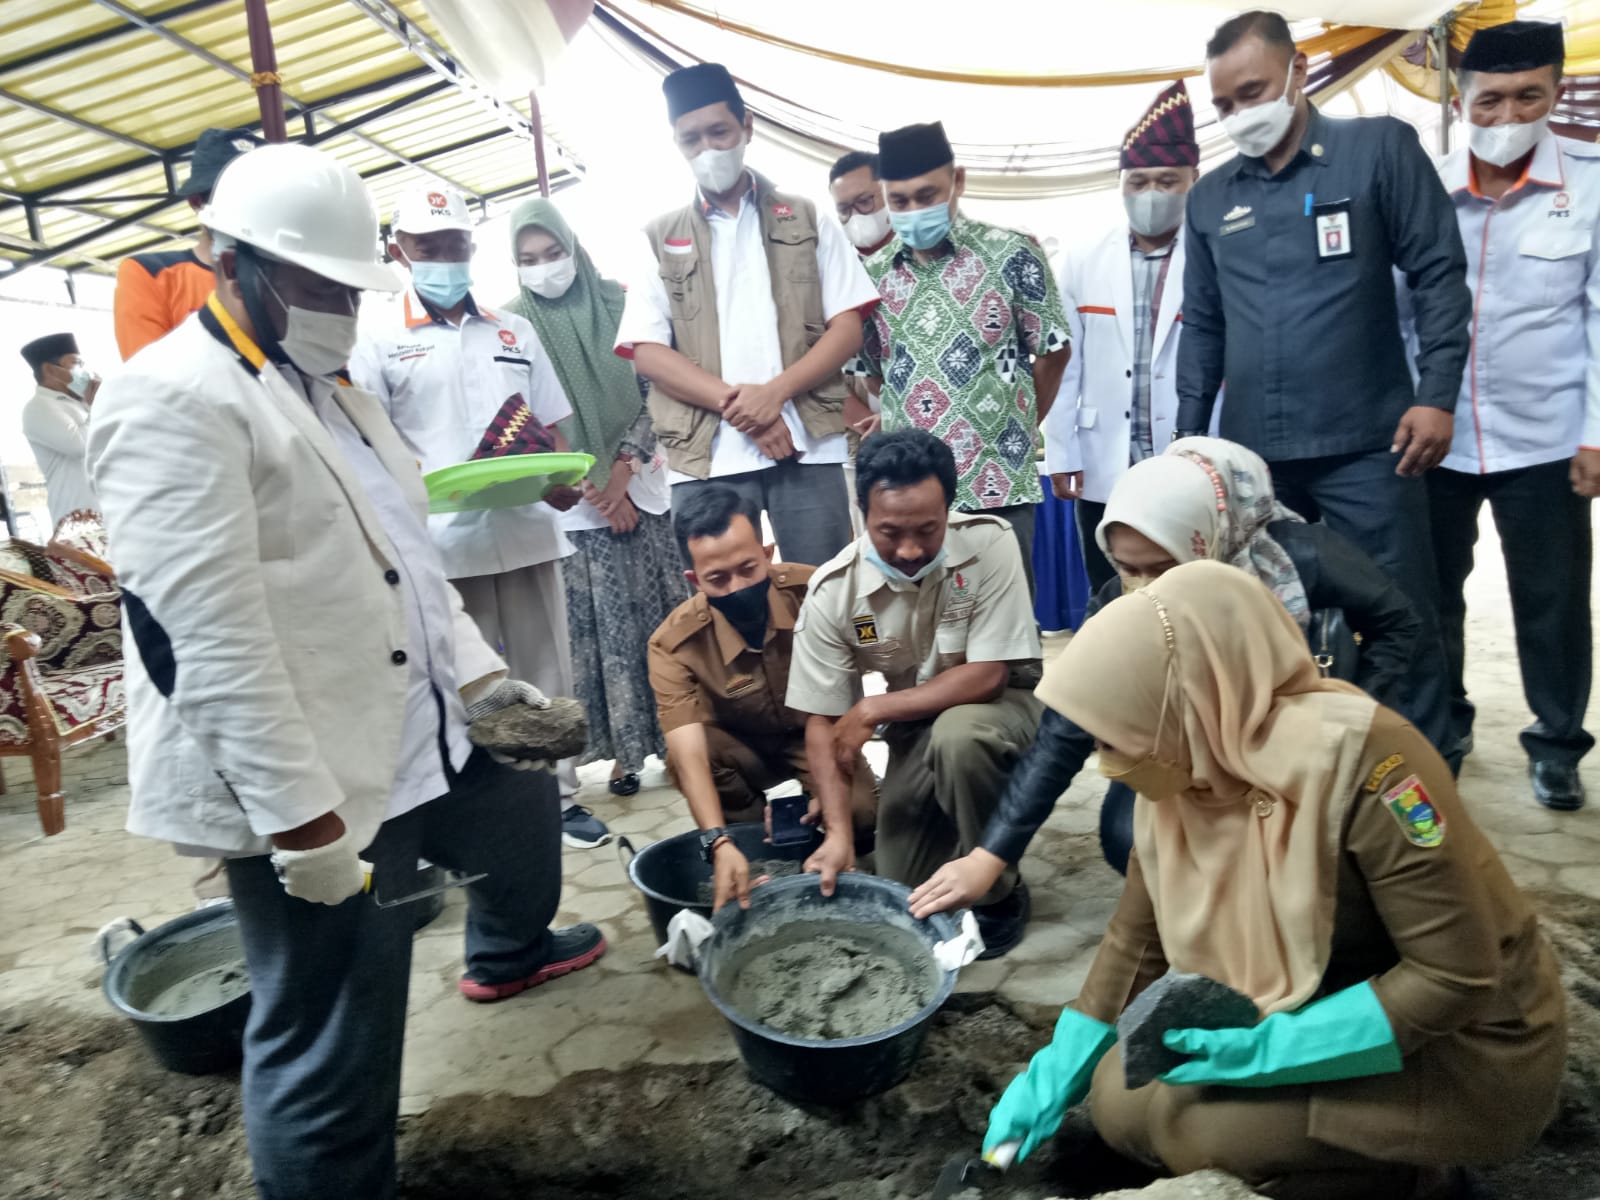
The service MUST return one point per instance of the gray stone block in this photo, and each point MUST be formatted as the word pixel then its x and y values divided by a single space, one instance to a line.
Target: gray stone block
pixel 1175 1001
pixel 522 731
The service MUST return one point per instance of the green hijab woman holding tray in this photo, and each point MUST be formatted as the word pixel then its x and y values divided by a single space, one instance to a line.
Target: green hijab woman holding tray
pixel 626 575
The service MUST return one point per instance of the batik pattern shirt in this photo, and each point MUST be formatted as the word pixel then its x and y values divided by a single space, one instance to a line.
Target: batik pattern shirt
pixel 951 342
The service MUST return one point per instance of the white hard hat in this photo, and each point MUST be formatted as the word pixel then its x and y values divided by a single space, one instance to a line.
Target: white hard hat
pixel 305 207
pixel 429 208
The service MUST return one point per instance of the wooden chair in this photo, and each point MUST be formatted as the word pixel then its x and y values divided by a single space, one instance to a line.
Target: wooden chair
pixel 60 661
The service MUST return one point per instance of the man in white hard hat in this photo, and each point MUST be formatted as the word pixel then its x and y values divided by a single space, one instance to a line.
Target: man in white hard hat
pixel 304 675
pixel 449 372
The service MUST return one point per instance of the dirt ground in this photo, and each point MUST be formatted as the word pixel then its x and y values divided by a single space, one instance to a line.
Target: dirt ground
pixel 85 1114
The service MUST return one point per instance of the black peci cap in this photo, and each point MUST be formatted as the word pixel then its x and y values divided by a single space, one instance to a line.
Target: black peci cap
pixel 912 151
pixel 698 86
pixel 1515 46
pixel 49 348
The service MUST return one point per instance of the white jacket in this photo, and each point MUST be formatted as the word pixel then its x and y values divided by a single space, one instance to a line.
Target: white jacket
pixel 54 424
pixel 260 591
pixel 1091 422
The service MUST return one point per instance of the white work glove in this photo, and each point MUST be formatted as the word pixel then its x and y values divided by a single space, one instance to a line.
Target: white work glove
pixel 328 874
pixel 506 693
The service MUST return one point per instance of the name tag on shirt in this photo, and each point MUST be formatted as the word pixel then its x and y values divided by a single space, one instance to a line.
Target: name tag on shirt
pixel 1237 219
pixel 1334 238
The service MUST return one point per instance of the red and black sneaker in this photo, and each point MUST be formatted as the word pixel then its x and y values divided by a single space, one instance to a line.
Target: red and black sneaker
pixel 573 948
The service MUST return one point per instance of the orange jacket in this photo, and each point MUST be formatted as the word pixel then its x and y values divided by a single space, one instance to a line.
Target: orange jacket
pixel 155 292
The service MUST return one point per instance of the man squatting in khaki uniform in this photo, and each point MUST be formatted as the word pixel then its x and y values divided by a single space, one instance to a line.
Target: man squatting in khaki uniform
pixel 719 665
pixel 937 602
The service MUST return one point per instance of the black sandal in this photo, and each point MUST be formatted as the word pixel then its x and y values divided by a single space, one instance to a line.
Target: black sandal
pixel 624 785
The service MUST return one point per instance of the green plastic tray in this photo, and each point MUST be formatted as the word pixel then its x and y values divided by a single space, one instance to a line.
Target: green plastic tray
pixel 502 482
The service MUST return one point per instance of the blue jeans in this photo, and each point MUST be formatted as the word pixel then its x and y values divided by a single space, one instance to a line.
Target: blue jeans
pixel 321 1077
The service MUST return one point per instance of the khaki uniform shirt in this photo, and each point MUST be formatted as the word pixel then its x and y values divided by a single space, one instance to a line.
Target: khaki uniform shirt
pixel 974 608
pixel 1424 909
pixel 704 673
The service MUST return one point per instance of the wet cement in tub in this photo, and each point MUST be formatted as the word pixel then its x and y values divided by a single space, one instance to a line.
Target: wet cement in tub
pixel 210 989
pixel 827 980
pixel 195 975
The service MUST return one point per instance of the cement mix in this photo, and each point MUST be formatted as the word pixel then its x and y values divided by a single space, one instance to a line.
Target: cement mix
pixel 209 989
pixel 825 980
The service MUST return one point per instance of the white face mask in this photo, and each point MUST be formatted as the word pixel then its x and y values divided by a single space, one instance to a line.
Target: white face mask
pixel 1502 145
pixel 1152 213
pixel 1257 130
pixel 867 229
pixel 716 171
pixel 319 343
pixel 550 280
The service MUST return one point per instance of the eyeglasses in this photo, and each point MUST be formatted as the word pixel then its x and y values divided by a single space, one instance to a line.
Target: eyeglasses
pixel 865 204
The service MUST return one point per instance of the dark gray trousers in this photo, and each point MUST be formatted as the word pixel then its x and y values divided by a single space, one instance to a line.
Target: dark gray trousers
pixel 1545 538
pixel 321 1077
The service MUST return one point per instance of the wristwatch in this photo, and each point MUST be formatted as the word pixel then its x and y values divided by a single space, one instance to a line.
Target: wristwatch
pixel 709 839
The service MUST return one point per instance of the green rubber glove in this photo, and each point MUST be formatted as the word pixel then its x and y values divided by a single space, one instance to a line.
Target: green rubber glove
pixel 1342 1036
pixel 1058 1077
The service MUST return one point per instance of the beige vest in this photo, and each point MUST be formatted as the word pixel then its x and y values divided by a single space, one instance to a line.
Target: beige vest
pixel 789 229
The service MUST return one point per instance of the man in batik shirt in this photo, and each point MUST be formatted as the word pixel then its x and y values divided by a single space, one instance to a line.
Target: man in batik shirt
pixel 970 340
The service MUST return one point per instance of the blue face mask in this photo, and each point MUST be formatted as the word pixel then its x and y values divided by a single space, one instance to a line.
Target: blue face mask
pixel 922 228
pixel 870 553
pixel 443 284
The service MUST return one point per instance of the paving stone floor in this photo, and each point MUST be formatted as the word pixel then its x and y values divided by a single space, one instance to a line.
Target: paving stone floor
pixel 55 892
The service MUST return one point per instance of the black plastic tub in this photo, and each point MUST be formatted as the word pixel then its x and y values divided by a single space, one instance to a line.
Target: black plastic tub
pixel 201 1040
pixel 671 871
pixel 810 1070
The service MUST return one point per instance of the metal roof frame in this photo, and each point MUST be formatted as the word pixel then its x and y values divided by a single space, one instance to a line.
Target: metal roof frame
pixel 448 103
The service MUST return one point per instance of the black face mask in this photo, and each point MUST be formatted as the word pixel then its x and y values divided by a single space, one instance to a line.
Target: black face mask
pixel 746 610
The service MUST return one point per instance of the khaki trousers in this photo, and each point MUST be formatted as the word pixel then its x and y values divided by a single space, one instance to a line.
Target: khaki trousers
pixel 1258 1134
pixel 944 781
pixel 744 765
pixel 523 614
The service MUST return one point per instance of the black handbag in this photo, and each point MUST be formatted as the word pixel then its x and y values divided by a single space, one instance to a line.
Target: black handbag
pixel 1335 648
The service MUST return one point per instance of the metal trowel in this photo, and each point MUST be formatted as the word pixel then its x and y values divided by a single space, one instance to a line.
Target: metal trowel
pixel 971 1173
pixel 965 1174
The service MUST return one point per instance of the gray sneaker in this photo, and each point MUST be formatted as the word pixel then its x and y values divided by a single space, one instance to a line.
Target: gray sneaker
pixel 581 829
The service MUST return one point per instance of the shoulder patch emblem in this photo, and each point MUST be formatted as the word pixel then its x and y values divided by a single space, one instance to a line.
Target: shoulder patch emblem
pixel 866 630
pixel 1412 808
pixel 1383 770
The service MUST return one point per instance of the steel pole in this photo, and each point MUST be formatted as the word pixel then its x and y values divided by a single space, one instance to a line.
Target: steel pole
pixel 264 71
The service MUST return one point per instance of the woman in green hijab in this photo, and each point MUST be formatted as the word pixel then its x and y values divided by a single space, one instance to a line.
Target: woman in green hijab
pixel 625 576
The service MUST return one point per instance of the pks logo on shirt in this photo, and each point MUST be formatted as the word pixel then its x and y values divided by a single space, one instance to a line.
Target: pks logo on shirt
pixel 508 338
pixel 783 212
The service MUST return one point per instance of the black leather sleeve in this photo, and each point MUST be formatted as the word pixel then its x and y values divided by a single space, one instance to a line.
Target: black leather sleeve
pixel 1338 574
pixel 1045 771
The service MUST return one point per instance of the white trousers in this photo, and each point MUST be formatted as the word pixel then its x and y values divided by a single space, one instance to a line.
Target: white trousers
pixel 523 614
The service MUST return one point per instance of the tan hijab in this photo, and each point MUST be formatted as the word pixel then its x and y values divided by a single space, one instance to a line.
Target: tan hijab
pixel 1207 672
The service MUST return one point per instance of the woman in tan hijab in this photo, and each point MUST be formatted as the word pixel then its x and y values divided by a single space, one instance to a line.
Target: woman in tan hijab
pixel 1305 846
